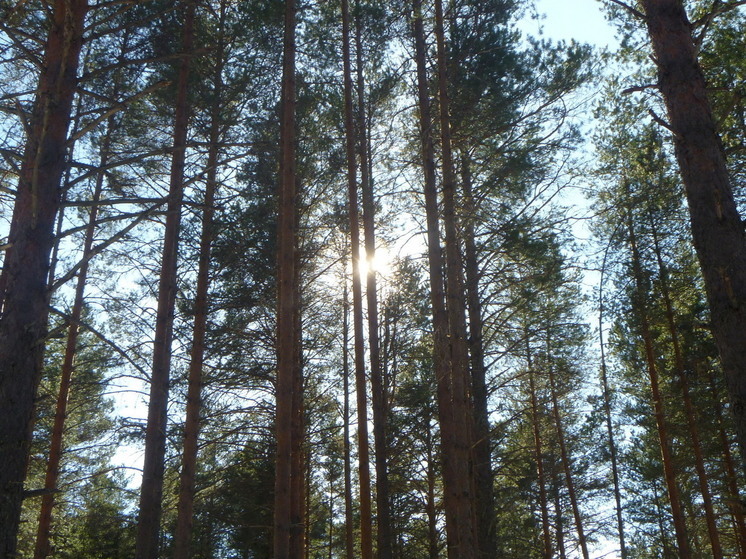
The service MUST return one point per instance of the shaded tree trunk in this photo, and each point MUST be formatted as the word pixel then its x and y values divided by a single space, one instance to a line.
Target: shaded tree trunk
pixel 151 492
pixel 717 228
pixel 378 391
pixel 566 466
pixel 455 441
pixel 349 529
pixel 606 394
pixel 483 474
pixel 689 412
pixel 24 297
pixel 192 421
pixel 42 545
pixel 366 521
pixel 538 454
pixel 669 468
pixel 286 482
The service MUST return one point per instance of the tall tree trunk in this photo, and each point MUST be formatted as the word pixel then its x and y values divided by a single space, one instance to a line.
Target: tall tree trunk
pixel 286 482
pixel 566 466
pixel 24 299
pixel 669 468
pixel 455 440
pixel 192 422
pixel 433 541
pixel 538 453
pixel 559 519
pixel 717 228
pixel 151 492
pixel 349 529
pixel 606 393
pixel 689 411
pixel 300 467
pixel 378 391
pixel 42 547
pixel 366 521
pixel 468 544
pixel 736 503
pixel 483 475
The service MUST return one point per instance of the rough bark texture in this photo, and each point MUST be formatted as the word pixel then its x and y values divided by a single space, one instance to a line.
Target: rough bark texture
pixel 23 323
pixel 151 492
pixel 717 228
pixel 287 299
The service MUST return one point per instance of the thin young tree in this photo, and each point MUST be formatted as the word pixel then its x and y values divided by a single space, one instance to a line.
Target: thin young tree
pixel 24 297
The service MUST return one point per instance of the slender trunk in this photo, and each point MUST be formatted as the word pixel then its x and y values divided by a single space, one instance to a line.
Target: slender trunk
pixel 483 475
pixel 433 544
pixel 366 522
pixel 538 454
pixel 455 440
pixel 736 504
pixel 566 466
pixel 689 411
pixel 606 393
pixel 349 529
pixel 23 323
pixel 148 527
pixel 559 520
pixel 286 299
pixel 185 508
pixel 669 469
pixel 717 228
pixel 299 473
pixel 662 531
pixel 42 547
pixel 378 392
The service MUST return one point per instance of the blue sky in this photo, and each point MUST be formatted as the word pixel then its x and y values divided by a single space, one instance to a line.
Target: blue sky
pixel 581 20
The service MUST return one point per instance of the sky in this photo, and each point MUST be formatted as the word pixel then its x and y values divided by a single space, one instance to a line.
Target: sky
pixel 582 20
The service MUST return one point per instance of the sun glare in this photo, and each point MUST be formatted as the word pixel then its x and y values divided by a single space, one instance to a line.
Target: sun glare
pixel 380 263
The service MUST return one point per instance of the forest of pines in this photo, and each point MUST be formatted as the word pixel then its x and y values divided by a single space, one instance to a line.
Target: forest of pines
pixel 376 279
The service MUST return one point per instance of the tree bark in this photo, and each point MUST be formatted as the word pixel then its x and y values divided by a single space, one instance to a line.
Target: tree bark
pixel 366 520
pixel 287 299
pixel 689 412
pixel 606 394
pixel 669 468
pixel 378 391
pixel 717 228
pixel 455 442
pixel 24 300
pixel 538 454
pixel 151 492
pixel 349 529
pixel 42 546
pixel 483 474
pixel 566 466
pixel 192 421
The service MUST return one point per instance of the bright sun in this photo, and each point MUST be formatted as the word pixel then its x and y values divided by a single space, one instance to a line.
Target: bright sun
pixel 381 262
